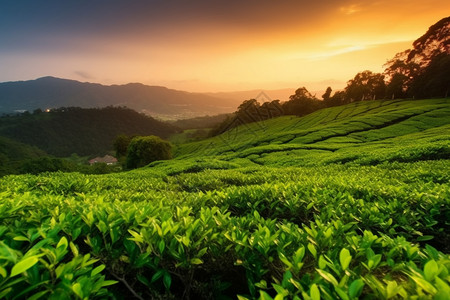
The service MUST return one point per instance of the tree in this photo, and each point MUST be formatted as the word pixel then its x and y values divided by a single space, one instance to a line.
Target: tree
pixel 121 145
pixel 366 85
pixel 271 109
pixel 143 150
pixel 47 164
pixel 339 98
pixel 434 81
pixel 410 69
pixel 396 88
pixel 249 111
pixel 327 96
pixel 301 103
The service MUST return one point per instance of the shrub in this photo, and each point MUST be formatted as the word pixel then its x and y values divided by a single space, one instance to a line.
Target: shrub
pixel 146 149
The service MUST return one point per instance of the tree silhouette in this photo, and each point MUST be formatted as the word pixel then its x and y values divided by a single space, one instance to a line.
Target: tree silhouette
pixel 366 85
pixel 421 71
pixel 327 96
pixel 301 103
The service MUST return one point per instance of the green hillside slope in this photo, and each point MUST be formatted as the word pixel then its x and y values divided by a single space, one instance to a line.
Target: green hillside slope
pixel 64 131
pixel 362 132
pixel 12 154
pixel 351 202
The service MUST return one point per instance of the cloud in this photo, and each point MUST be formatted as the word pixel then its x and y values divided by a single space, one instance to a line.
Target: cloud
pixel 83 74
pixel 325 55
pixel 350 9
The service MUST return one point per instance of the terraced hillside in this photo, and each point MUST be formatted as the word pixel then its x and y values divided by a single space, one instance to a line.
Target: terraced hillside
pixel 362 132
pixel 346 203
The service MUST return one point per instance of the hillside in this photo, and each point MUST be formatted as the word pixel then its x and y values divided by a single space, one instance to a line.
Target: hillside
pixel 65 131
pixel 13 153
pixel 349 202
pixel 363 132
pixel 50 92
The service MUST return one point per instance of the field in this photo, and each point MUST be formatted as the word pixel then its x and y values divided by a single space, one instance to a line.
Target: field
pixel 345 203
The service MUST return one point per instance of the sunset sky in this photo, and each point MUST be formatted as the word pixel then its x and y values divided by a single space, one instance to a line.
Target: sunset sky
pixel 208 45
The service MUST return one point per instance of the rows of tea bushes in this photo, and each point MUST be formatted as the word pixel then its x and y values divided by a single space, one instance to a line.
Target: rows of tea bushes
pixel 238 230
pixel 365 133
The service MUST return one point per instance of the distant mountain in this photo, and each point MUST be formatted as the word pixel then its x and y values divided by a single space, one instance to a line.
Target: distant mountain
pixel 261 95
pixel 62 132
pixel 51 92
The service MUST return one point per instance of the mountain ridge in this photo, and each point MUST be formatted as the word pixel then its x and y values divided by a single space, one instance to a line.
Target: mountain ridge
pixel 52 92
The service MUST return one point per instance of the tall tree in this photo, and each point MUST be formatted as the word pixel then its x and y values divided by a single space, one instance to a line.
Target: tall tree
pixel 434 81
pixel 326 96
pixel 121 145
pixel 409 68
pixel 301 103
pixel 366 85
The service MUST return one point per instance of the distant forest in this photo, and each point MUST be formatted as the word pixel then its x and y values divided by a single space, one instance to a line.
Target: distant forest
pixel 70 131
pixel 64 131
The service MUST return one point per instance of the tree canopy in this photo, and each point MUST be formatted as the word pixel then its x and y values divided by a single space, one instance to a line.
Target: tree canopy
pixel 143 150
pixel 422 70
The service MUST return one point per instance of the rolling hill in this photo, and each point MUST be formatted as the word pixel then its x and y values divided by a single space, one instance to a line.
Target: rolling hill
pixel 50 92
pixel 65 131
pixel 350 202
pixel 13 153
pixel 362 132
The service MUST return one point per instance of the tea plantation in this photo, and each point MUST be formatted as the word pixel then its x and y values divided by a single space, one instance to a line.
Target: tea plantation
pixel 345 203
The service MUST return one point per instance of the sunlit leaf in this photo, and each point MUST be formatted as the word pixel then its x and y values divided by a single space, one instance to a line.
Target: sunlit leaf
pixel 24 265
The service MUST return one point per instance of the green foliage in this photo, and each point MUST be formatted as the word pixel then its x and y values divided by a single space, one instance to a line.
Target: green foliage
pixel 144 150
pixel 366 86
pixel 47 164
pixel 13 154
pixel 121 144
pixel 64 131
pixel 345 203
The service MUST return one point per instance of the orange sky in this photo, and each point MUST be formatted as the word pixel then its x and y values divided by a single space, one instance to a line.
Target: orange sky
pixel 209 46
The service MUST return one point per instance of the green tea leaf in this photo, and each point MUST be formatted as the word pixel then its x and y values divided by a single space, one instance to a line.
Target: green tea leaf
pixel 3 272
pixel 264 296
pixel 424 284
pixel 314 292
pixel 38 295
pixel 161 246
pixel 62 243
pixel 425 238
pixel 345 258
pixel 157 275
pixel 355 288
pixel 5 292
pixel 76 288
pixel 97 270
pixel 21 238
pixel 24 265
pixel 312 249
pixel 196 261
pixel 109 282
pixel 328 277
pixel 322 262
pixel 430 270
pixel 391 289
pixel 341 293
pixel 74 249
pixel 167 280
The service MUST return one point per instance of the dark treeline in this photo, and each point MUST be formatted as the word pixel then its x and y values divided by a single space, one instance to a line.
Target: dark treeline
pixel 420 72
pixel 86 132
pixel 200 122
